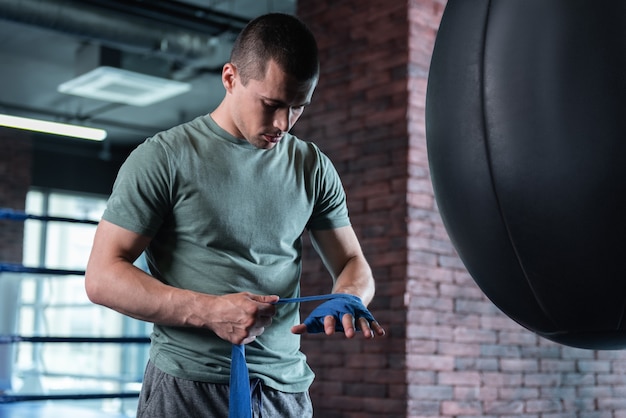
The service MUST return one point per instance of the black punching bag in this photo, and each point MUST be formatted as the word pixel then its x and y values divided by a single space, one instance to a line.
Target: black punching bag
pixel 526 134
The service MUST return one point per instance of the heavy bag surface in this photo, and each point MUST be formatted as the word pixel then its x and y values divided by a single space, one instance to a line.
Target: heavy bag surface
pixel 526 135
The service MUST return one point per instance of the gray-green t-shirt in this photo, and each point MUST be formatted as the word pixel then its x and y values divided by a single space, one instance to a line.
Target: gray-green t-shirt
pixel 227 217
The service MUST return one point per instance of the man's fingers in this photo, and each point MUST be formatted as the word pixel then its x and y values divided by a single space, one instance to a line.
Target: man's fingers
pixel 364 326
pixel 265 298
pixel 248 340
pixel 329 325
pixel 266 304
pixel 298 329
pixel 348 325
pixel 370 330
pixel 380 331
pixel 263 321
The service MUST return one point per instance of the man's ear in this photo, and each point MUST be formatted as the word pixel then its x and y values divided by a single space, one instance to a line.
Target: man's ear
pixel 229 74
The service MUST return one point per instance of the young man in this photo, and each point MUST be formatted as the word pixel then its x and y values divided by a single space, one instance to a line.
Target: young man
pixel 219 205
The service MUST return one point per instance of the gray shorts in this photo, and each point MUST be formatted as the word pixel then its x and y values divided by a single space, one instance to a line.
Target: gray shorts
pixel 166 396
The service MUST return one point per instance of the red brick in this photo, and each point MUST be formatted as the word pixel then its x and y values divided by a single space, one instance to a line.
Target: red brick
pixel 456 408
pixel 457 378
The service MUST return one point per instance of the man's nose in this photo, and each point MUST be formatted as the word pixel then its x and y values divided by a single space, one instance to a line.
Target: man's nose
pixel 281 119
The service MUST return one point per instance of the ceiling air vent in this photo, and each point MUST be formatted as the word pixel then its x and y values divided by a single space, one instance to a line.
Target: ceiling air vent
pixel 122 86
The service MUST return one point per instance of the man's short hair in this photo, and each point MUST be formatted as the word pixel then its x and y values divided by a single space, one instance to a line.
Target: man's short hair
pixel 280 37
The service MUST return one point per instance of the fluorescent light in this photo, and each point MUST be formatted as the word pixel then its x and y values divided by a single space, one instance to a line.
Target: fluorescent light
pixel 53 127
pixel 123 86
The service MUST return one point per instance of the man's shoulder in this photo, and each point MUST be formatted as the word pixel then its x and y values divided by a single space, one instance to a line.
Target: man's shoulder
pixel 182 132
pixel 177 140
pixel 294 143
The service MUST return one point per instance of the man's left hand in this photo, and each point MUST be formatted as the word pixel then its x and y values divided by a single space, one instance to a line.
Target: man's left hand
pixel 345 314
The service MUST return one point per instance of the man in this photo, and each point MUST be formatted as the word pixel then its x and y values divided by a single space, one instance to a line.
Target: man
pixel 219 205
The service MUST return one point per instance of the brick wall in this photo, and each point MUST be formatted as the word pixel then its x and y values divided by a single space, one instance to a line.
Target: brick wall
pixel 358 117
pixel 15 172
pixel 449 352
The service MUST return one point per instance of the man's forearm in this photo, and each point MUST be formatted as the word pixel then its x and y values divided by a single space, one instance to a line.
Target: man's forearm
pixel 356 279
pixel 126 289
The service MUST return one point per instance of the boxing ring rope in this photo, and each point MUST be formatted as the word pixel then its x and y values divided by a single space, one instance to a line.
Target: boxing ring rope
pixel 19 268
pixel 14 215
pixel 6 399
pixel 9 338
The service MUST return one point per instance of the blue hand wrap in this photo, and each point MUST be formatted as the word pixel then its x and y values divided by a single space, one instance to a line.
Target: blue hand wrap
pixel 337 307
pixel 338 304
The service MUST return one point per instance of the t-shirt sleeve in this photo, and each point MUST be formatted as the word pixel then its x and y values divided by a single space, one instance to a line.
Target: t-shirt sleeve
pixel 330 210
pixel 140 198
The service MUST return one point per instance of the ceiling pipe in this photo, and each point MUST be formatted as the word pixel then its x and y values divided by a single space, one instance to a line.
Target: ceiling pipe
pixel 179 13
pixel 118 29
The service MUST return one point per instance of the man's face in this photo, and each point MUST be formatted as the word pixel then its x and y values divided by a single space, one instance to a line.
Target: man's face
pixel 264 110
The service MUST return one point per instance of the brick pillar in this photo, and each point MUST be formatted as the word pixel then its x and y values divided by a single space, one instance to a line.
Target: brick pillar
pixel 15 175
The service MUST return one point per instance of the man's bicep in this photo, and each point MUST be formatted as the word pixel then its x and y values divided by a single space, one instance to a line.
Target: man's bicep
pixel 110 264
pixel 114 242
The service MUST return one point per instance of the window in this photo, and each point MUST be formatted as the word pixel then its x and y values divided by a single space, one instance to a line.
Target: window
pixel 56 305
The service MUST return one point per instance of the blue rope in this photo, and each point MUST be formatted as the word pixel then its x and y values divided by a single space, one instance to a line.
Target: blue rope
pixel 11 339
pixel 18 268
pixel 14 215
pixel 74 396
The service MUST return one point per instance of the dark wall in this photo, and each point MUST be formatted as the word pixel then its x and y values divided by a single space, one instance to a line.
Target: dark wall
pixel 75 165
pixel 15 179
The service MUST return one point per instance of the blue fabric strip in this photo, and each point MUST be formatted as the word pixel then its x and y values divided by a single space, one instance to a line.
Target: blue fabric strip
pixel 240 403
pixel 311 298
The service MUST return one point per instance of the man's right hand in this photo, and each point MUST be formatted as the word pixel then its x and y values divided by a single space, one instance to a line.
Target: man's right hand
pixel 241 317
